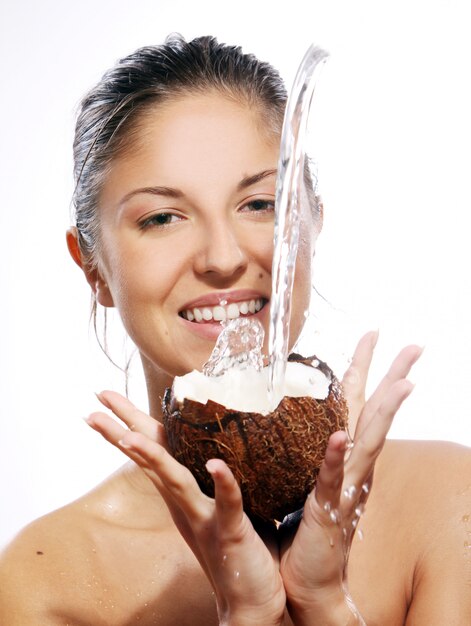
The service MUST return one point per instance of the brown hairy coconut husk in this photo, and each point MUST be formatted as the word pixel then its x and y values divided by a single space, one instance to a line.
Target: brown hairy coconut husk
pixel 275 457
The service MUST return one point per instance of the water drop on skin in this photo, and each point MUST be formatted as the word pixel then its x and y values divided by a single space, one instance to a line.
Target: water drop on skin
pixel 236 575
pixel 360 534
pixel 359 510
pixel 350 492
pixel 365 488
pixel 331 542
pixel 327 507
pixel 334 516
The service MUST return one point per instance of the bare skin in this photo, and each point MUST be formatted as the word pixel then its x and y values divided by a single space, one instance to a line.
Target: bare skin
pixel 120 558
pixel 146 546
pixel 101 563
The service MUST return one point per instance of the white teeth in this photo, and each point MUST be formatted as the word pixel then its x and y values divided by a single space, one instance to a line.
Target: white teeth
pixel 233 311
pixel 223 311
pixel 219 314
pixel 207 314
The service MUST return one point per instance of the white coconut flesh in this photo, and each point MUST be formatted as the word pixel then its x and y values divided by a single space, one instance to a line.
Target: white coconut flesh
pixel 246 390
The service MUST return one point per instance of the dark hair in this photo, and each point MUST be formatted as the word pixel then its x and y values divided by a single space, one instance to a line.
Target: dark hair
pixel 110 113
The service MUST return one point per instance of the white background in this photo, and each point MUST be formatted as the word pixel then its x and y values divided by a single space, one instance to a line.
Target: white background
pixel 393 144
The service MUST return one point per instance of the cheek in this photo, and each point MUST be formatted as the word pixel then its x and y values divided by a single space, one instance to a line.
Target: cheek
pixel 141 277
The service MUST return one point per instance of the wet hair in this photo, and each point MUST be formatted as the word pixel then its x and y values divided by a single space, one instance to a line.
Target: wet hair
pixel 111 113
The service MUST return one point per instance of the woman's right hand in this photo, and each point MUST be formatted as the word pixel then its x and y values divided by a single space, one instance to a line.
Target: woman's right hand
pixel 242 568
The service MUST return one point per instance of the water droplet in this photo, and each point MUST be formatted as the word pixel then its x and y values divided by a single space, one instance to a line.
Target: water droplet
pixel 359 510
pixel 350 492
pixel 360 534
pixel 327 507
pixel 365 487
pixel 331 542
pixel 224 559
pixel 236 575
pixel 354 522
pixel 334 516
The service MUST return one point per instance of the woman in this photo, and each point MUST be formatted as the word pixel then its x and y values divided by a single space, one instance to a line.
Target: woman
pixel 175 160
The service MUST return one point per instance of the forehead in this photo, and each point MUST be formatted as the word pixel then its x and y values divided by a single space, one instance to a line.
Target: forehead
pixel 196 140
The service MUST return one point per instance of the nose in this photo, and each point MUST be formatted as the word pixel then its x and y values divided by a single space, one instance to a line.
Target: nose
pixel 221 254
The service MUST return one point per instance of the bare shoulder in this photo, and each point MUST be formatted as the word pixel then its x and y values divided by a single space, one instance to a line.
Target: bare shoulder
pixel 440 469
pixel 111 557
pixel 431 483
pixel 35 569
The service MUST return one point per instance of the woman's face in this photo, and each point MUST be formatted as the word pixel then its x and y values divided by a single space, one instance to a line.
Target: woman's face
pixel 187 222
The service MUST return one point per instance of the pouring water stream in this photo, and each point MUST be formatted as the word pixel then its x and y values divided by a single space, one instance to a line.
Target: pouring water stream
pixel 287 213
pixel 240 343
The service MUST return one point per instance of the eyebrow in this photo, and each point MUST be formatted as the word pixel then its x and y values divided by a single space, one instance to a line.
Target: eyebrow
pixel 170 192
pixel 248 181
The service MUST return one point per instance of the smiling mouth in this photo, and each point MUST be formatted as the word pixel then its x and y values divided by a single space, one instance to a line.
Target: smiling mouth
pixel 223 312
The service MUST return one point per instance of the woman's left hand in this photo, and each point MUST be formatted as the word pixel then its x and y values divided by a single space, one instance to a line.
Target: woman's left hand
pixel 243 569
pixel 314 561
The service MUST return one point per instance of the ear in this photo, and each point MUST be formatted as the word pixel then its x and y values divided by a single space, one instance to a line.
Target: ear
pixel 94 278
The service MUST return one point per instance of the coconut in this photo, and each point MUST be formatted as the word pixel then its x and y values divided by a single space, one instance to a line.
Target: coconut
pixel 274 452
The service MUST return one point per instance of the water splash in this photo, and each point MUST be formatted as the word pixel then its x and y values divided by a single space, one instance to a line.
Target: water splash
pixel 238 346
pixel 290 181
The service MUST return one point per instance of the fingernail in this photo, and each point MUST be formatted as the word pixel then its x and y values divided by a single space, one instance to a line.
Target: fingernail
pixel 374 337
pixel 210 467
pixel 102 399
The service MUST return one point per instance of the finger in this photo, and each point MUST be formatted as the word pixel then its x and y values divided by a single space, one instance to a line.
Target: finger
pixel 355 378
pixel 229 507
pixel 360 464
pixel 329 481
pixel 113 432
pixel 179 483
pixel 134 419
pixel 399 369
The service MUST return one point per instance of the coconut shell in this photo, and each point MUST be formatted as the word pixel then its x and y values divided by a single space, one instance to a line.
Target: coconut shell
pixel 275 457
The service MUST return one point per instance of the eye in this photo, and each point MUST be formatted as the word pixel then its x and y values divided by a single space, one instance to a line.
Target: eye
pixel 259 206
pixel 159 220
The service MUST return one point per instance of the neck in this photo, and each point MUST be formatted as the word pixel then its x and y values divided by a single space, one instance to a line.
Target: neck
pixel 156 382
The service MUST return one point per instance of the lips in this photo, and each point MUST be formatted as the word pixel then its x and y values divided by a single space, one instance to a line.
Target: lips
pixel 222 307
